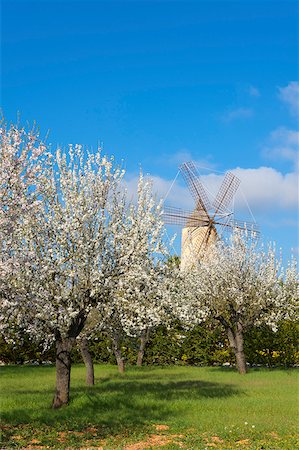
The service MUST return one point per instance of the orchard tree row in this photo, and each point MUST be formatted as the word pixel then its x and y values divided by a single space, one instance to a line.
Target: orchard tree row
pixel 79 257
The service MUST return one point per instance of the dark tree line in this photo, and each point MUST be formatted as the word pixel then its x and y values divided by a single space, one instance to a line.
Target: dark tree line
pixel 202 345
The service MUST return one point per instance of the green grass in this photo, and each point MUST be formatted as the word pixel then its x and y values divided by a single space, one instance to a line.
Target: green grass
pixel 173 407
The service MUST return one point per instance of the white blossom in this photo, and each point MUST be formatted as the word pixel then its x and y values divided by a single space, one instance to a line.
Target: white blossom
pixel 240 279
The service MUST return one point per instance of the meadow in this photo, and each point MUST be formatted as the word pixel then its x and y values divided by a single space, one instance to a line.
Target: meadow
pixel 151 407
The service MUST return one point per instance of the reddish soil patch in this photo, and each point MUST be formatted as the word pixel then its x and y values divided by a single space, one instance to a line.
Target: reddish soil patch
pixel 156 440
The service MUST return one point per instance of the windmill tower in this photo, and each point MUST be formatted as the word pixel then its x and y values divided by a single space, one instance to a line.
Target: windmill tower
pixel 205 224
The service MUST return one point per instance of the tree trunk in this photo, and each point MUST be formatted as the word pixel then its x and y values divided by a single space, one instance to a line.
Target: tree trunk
pixel 143 341
pixel 120 363
pixel 236 343
pixel 63 371
pixel 86 356
pixel 117 352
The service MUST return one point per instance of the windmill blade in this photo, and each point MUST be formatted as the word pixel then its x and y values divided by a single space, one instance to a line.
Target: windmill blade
pixel 239 224
pixel 223 225
pixel 191 177
pixel 185 218
pixel 226 192
pixel 246 226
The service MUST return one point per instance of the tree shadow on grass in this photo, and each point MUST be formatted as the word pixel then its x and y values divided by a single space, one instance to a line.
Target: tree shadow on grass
pixel 113 405
pixel 251 369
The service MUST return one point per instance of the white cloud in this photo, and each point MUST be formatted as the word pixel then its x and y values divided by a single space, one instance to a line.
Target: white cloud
pixel 264 188
pixel 283 144
pixel 290 96
pixel 239 113
pixel 267 189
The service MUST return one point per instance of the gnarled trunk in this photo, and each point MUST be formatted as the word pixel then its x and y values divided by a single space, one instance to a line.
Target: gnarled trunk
pixel 144 337
pixel 86 356
pixel 63 359
pixel 63 371
pixel 236 341
pixel 118 355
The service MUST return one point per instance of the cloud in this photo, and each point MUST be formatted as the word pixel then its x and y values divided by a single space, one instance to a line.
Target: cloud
pixel 283 144
pixel 254 92
pixel 236 114
pixel 290 96
pixel 265 189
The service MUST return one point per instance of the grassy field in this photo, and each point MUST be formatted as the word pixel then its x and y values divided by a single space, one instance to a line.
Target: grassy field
pixel 173 407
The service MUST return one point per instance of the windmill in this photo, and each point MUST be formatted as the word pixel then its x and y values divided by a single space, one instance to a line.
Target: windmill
pixel 206 223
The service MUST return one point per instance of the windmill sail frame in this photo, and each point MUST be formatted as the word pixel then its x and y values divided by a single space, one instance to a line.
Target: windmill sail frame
pixel 200 224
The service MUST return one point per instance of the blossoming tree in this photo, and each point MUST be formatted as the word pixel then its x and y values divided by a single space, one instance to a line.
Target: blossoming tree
pixel 64 244
pixel 140 296
pixel 239 285
pixel 134 301
pixel 22 155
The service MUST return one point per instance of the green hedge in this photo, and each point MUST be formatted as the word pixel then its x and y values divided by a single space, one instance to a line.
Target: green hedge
pixel 23 351
pixel 202 345
pixel 263 346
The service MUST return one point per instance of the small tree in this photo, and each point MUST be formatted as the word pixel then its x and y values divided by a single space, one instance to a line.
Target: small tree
pixel 239 285
pixel 83 344
pixel 141 294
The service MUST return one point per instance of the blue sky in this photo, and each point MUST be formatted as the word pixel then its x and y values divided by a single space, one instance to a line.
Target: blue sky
pixel 162 82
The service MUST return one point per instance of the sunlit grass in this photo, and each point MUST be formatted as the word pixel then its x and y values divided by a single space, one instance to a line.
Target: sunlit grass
pixel 188 406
